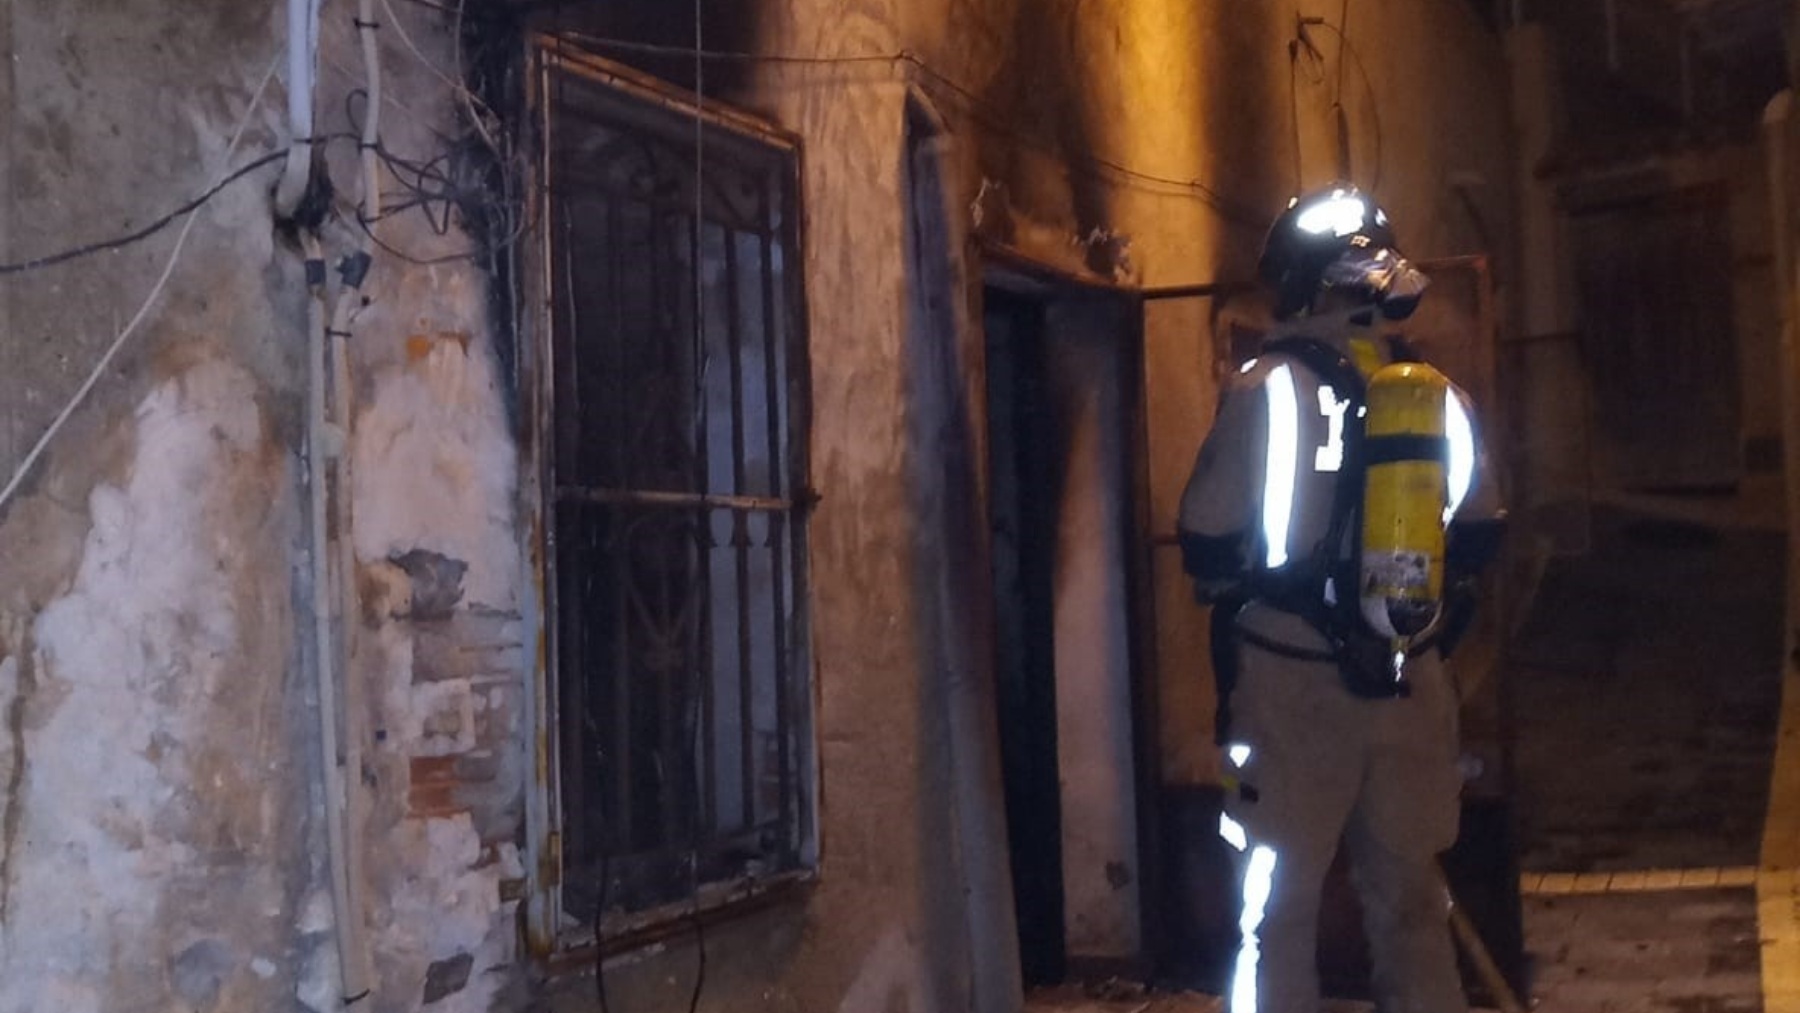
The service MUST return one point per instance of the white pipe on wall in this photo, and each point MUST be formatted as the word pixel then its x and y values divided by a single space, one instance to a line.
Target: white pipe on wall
pixel 324 444
pixel 371 135
pixel 303 45
pixel 324 447
pixel 341 692
pixel 353 950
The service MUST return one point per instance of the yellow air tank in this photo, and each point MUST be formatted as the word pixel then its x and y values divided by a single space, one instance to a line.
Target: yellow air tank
pixel 1403 499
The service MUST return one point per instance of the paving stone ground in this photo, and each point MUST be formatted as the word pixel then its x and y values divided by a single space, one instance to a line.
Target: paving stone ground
pixel 1072 999
pixel 1681 951
pixel 1647 691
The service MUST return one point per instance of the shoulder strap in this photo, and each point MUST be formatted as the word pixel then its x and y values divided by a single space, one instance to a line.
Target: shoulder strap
pixel 1402 350
pixel 1336 557
pixel 1333 366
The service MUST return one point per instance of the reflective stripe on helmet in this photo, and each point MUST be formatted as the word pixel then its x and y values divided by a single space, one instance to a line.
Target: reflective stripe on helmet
pixel 1341 214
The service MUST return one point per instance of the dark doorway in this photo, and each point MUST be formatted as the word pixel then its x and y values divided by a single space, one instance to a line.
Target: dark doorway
pixel 1059 375
pixel 1024 538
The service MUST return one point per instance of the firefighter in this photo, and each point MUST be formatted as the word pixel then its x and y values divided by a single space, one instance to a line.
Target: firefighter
pixel 1336 518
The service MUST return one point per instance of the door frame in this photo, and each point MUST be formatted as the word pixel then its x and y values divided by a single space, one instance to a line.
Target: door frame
pixel 1002 266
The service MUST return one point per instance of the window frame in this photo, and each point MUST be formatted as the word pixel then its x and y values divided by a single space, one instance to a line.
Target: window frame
pixel 547 935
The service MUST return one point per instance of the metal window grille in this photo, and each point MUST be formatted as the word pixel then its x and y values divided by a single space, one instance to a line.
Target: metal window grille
pixel 678 515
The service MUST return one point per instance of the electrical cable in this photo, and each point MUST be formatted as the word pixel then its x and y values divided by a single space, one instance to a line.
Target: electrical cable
pixel 719 55
pixel 394 104
pixel 423 173
pixel 156 290
pixel 147 231
pixel 701 402
pixel 421 170
pixel 1343 44
pixel 431 186
pixel 604 892
pixel 1301 44
pixel 476 115
pixel 461 75
pixel 432 5
pixel 1369 86
pixel 355 966
pixel 1294 111
pixel 1230 210
pixel 471 255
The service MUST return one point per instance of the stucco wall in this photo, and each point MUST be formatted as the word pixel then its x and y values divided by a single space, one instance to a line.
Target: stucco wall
pixel 160 799
pixel 155 851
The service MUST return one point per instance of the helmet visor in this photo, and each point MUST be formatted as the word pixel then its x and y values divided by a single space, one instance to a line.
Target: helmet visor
pixel 1380 276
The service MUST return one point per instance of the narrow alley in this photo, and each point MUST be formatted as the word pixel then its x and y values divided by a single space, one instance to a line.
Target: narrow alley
pixel 899 506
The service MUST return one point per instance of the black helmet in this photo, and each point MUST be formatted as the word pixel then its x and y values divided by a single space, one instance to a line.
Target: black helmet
pixel 1337 238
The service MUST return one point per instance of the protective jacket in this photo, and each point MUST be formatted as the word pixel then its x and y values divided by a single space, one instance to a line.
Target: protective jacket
pixel 1271 514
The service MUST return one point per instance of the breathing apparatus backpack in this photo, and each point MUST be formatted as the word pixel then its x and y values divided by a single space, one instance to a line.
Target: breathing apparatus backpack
pixel 1373 586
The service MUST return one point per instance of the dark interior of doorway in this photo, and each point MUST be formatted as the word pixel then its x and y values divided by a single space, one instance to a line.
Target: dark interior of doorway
pixel 1024 534
pixel 1025 549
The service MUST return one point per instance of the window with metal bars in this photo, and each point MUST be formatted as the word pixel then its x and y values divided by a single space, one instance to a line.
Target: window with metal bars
pixel 677 508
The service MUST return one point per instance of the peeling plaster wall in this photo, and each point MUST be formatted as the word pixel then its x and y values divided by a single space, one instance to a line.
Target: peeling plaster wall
pixel 161 811
pixel 155 847
pixel 143 845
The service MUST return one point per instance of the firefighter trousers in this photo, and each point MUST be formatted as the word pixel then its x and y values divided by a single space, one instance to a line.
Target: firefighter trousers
pixel 1315 765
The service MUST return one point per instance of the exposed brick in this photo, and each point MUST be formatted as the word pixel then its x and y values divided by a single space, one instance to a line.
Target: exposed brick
pixel 434 800
pixel 428 770
pixel 481 646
